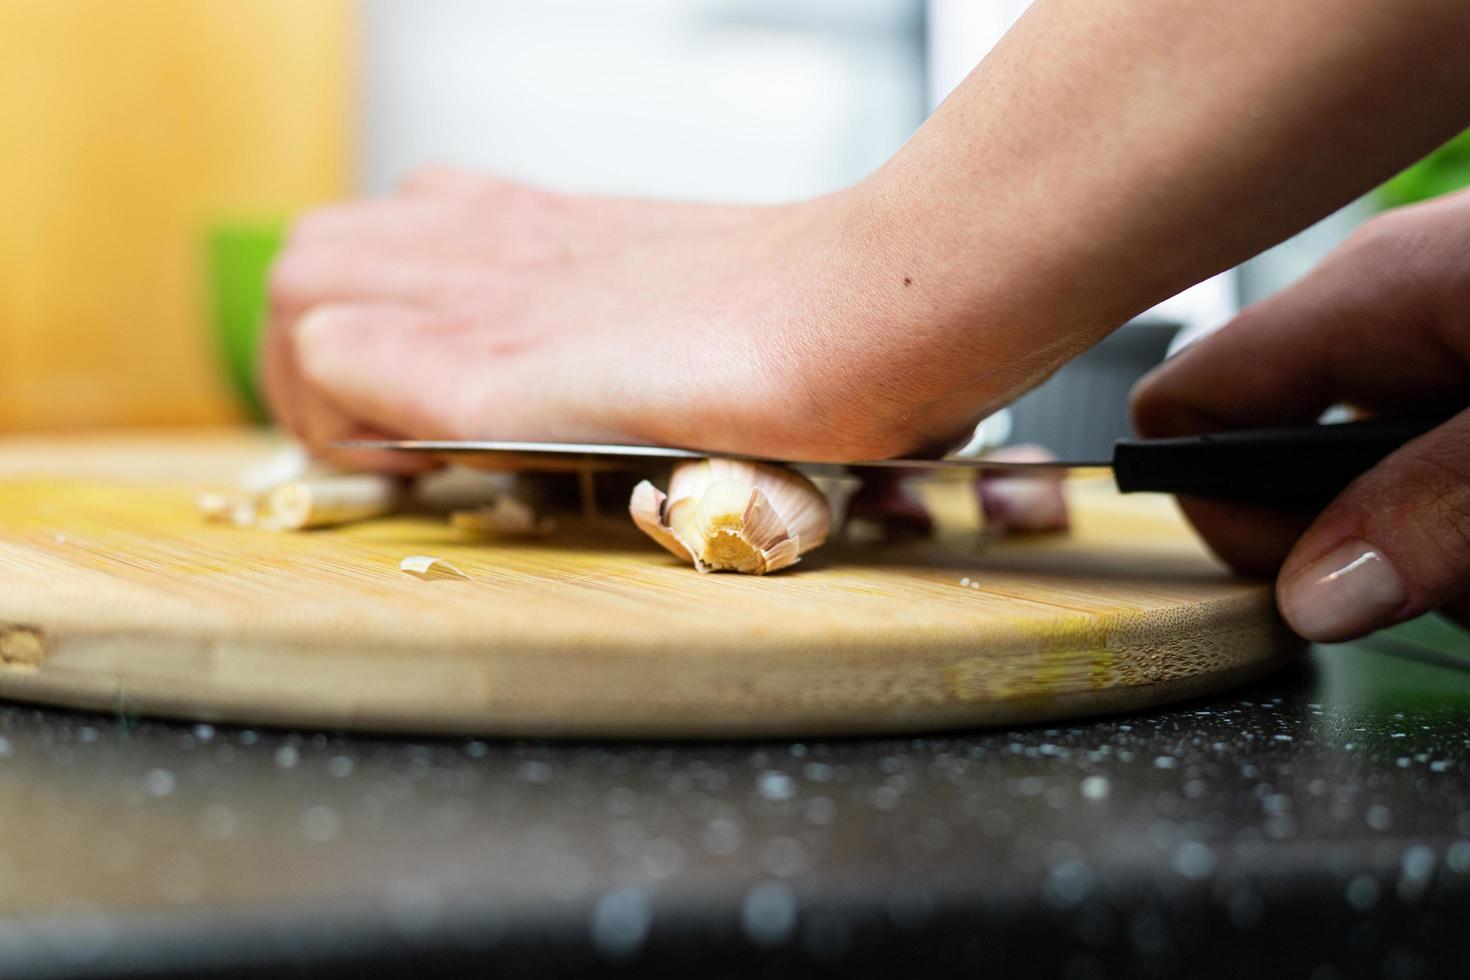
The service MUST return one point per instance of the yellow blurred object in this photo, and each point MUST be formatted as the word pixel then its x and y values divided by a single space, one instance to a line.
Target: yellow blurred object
pixel 126 129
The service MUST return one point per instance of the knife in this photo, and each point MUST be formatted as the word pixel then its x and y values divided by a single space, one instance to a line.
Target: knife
pixel 1296 468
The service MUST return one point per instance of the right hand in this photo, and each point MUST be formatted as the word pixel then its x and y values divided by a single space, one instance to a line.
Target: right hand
pixel 1383 325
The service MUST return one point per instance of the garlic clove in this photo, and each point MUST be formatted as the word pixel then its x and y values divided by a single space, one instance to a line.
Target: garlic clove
pixel 732 522
pixel 887 508
pixel 1023 504
pixel 647 510
pixel 734 515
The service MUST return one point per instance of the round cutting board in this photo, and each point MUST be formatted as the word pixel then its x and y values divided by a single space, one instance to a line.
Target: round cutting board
pixel 117 596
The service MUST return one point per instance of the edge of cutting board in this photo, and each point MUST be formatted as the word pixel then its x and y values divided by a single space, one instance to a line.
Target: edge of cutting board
pixel 323 706
pixel 117 599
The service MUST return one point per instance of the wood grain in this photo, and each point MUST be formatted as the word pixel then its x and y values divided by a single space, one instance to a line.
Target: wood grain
pixel 117 596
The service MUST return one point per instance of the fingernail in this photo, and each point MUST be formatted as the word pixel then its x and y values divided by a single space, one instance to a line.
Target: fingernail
pixel 1347 592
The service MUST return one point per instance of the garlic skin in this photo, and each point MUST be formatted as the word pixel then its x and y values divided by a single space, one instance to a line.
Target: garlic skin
pixel 734 515
pixel 1023 504
pixel 887 508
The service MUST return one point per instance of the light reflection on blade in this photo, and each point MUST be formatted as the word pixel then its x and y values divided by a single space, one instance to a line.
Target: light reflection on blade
pixel 574 456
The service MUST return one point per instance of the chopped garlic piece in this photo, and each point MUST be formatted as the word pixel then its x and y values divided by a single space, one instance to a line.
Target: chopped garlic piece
pixel 425 566
pixel 239 509
pixel 506 516
pixel 329 500
pixel 1023 503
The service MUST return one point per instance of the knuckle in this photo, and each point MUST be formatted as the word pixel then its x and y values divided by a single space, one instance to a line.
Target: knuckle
pixel 1434 512
pixel 1376 240
pixel 1447 505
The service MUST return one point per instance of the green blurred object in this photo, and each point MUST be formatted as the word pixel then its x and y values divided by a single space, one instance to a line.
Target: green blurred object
pixel 240 255
pixel 1446 169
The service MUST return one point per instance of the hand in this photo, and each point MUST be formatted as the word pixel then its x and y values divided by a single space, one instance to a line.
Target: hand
pixel 470 307
pixel 1383 325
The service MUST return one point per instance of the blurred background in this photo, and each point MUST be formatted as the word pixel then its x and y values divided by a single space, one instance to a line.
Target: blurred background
pixel 153 151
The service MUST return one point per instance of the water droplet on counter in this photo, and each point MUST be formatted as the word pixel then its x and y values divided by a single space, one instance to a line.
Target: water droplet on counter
pixel 320 824
pixel 1417 864
pixel 413 906
pixel 783 856
pixel 535 771
pixel 775 786
pixel 1457 858
pixel 768 913
pixel 1362 893
pixel 158 782
pixel 821 811
pixel 620 922
pixel 218 822
pixel 1068 882
pixel 1193 860
pixel 817 772
pixel 721 836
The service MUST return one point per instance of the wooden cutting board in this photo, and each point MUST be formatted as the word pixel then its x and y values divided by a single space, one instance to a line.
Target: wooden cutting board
pixel 114 595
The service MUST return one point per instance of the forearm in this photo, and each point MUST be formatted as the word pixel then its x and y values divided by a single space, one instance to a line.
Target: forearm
pixel 1106 155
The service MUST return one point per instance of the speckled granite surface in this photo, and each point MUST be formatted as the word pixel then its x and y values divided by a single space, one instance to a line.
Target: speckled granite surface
pixel 1316 824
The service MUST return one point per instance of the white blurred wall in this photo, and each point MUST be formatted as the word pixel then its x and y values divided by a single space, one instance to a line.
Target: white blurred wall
pixel 734 100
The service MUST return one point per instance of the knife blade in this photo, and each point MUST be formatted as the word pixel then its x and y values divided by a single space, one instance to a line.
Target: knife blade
pixel 1296 467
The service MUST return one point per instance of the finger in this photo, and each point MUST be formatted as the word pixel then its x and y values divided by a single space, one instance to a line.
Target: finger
pixel 380 220
pixel 305 277
pixel 396 368
pixel 1380 325
pixel 372 460
pixel 1394 545
pixel 890 505
pixel 1252 540
pixel 318 423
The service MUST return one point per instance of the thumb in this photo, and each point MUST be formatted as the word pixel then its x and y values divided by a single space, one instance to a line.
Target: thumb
pixel 1394 544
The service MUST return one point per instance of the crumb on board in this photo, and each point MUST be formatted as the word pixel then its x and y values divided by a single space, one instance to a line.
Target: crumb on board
pixel 428 567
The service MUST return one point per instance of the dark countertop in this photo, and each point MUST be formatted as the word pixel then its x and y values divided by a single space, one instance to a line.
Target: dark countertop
pixel 1315 824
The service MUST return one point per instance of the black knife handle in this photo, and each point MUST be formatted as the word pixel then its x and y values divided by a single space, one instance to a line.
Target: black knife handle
pixel 1299 468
